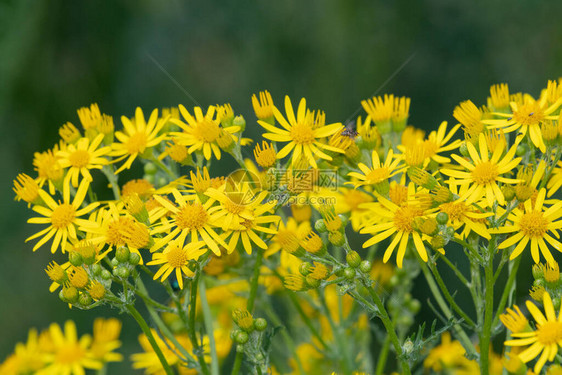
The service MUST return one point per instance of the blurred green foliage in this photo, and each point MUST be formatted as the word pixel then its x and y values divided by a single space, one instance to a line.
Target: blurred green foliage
pixel 56 56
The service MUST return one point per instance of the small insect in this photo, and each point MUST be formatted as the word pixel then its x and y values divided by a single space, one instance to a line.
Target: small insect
pixel 350 131
pixel 174 282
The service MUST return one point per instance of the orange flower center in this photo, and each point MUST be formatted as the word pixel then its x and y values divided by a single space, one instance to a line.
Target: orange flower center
pixel 79 158
pixel 62 216
pixel 191 216
pixel 533 224
pixel 302 133
pixel 485 173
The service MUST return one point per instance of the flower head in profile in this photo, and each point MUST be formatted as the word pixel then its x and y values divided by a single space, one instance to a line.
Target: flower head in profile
pixel 545 340
pixel 176 258
pixel 302 132
pixel 138 137
pixel 62 217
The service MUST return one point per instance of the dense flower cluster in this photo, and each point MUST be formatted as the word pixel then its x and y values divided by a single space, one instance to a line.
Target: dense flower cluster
pixel 287 221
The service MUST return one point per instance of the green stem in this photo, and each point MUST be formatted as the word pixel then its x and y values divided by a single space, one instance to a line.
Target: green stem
pixel 191 323
pixel 208 320
pixel 249 306
pixel 142 323
pixel 448 296
pixel 288 339
pixel 463 337
pixel 383 355
pixel 143 293
pixel 486 332
pixel 383 315
pixel 109 173
pixel 163 167
pixel 507 290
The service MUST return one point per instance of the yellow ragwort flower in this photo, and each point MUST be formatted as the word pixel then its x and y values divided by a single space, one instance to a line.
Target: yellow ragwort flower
pixel 545 339
pixel 533 224
pixel 302 133
pixel 483 176
pixel 62 217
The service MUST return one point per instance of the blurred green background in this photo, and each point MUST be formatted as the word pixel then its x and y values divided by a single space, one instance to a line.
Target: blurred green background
pixel 57 56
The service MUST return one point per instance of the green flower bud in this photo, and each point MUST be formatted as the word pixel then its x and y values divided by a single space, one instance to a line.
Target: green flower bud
pixel 311 282
pixel 122 272
pixel 241 337
pixel 114 262
pixel 134 258
pixel 304 268
pixel 353 259
pixel 239 121
pixel 105 274
pixel 349 273
pixel 336 238
pixel 75 259
pixel 122 254
pixel 96 269
pixel 442 218
pixel 260 324
pixel 70 294
pixel 85 299
pixel 365 266
pixel 320 226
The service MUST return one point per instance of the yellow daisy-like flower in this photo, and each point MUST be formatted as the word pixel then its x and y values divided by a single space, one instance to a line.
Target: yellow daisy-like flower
pixel 62 217
pixel 176 257
pixel 462 214
pixel 399 220
pixel 48 168
pixel 138 136
pixel 190 216
pixel 83 156
pixel 379 173
pixel 436 143
pixel 514 320
pixel 201 132
pixel 545 339
pixel 533 224
pixel 527 117
pixel 301 132
pixel 483 176
pixel 235 206
pixel 288 235
pixel 106 340
pixel 71 355
pixel 249 227
pixel 149 360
